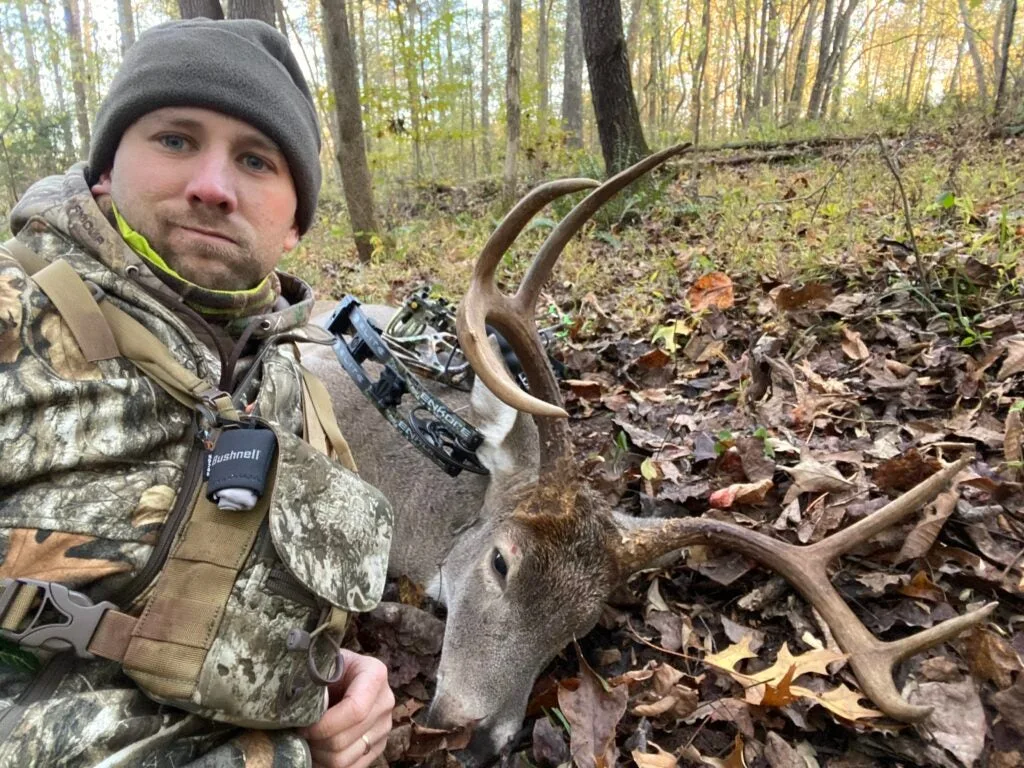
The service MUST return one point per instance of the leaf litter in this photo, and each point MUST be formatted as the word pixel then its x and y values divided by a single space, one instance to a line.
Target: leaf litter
pixel 794 408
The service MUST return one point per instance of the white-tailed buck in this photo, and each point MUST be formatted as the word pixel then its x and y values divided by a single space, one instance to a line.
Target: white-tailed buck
pixel 525 557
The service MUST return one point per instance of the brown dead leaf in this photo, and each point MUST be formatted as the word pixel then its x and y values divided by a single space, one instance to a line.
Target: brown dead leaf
pixel 55 556
pixel 957 720
pixel 593 713
pixel 779 695
pixel 779 754
pixel 812 476
pixel 584 390
pixel 740 493
pixel 1010 704
pixel 1014 362
pixel 854 346
pixel 924 534
pixel 656 358
pixel 923 588
pixel 549 747
pixel 712 290
pixel 660 759
pixel 811 296
pixel 992 658
pixel 905 471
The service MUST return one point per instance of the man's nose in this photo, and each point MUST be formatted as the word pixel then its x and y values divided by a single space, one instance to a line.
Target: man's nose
pixel 212 182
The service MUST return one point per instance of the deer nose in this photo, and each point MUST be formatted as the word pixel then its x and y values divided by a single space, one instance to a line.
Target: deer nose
pixel 448 713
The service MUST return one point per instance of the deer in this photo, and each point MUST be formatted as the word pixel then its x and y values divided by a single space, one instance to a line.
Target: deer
pixel 525 557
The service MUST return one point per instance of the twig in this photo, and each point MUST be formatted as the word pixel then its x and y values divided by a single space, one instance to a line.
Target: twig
pixel 921 270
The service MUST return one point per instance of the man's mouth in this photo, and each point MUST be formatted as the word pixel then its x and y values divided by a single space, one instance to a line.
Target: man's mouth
pixel 210 233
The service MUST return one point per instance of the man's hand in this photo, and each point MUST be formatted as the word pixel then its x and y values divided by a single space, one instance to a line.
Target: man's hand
pixel 355 727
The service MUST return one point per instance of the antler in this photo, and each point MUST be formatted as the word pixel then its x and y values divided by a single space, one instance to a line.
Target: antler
pixel 514 316
pixel 805 567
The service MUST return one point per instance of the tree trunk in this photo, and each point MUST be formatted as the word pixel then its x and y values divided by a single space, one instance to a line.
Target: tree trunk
pixel 485 91
pixel 410 67
pixel 654 76
pixel 543 70
pixel 36 106
pixel 351 151
pixel 1009 16
pixel 918 37
pixel 770 64
pixel 824 47
pixel 972 48
pixel 263 10
pixel 513 62
pixel 53 51
pixel 126 24
pixel 796 96
pixel 572 77
pixel 701 66
pixel 73 28
pixel 195 9
pixel 618 120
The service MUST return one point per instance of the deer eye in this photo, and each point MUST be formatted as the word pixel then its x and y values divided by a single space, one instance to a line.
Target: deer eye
pixel 499 564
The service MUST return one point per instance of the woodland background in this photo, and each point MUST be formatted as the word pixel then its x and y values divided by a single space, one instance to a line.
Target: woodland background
pixel 448 91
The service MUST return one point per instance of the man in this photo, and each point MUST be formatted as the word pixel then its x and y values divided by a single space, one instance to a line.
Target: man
pixel 203 171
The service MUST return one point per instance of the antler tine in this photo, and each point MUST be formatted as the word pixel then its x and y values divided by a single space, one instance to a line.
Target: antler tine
pixel 806 568
pixel 510 227
pixel 540 269
pixel 485 303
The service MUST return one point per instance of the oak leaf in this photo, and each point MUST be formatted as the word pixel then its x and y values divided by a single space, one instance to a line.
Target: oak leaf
pixel 593 713
pixel 712 290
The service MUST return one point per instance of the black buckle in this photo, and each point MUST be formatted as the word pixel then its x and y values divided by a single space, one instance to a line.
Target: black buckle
pixel 81 615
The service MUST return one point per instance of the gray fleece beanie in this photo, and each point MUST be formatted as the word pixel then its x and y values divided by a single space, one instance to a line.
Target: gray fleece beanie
pixel 242 68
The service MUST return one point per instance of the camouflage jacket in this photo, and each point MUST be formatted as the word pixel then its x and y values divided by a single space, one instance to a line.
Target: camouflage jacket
pixel 91 459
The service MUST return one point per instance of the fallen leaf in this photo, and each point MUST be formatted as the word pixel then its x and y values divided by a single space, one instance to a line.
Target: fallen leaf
pixel 549 747
pixel 593 713
pixel 841 701
pixel 779 695
pixel 992 658
pixel 1010 704
pixel 904 472
pixel 1014 362
pixel 656 358
pixel 957 720
pixel 811 296
pixel 740 493
pixel 812 476
pixel 660 759
pixel 585 390
pixel 728 659
pixel 1013 445
pixel 853 346
pixel 924 534
pixel 712 290
pixel 779 754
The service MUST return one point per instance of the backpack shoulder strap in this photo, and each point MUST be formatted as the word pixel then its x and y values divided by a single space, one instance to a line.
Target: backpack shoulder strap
pixel 104 332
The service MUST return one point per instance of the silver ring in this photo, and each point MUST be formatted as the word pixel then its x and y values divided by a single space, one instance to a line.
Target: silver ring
pixel 366 743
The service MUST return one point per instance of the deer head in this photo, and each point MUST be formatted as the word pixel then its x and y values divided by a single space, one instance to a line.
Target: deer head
pixel 534 569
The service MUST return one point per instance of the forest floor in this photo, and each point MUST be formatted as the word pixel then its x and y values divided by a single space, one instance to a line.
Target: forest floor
pixel 759 343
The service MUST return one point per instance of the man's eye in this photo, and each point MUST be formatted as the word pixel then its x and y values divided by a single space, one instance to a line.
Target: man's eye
pixel 255 163
pixel 173 141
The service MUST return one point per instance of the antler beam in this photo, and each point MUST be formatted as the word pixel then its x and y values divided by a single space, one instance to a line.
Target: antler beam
pixel 514 316
pixel 805 567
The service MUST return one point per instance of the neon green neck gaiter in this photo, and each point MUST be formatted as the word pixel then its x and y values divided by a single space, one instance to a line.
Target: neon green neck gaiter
pixel 213 304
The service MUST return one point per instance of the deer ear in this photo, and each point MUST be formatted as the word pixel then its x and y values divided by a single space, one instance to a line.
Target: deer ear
pixel 510 441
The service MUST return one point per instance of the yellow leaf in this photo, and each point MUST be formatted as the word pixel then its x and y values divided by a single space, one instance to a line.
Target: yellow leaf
pixel 841 701
pixel 731 656
pixel 815 661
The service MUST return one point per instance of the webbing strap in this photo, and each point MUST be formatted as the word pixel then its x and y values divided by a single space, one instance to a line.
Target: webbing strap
pixel 316 402
pixel 169 642
pixel 73 301
pixel 103 332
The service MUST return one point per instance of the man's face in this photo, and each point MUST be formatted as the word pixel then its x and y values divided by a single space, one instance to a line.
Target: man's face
pixel 211 194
